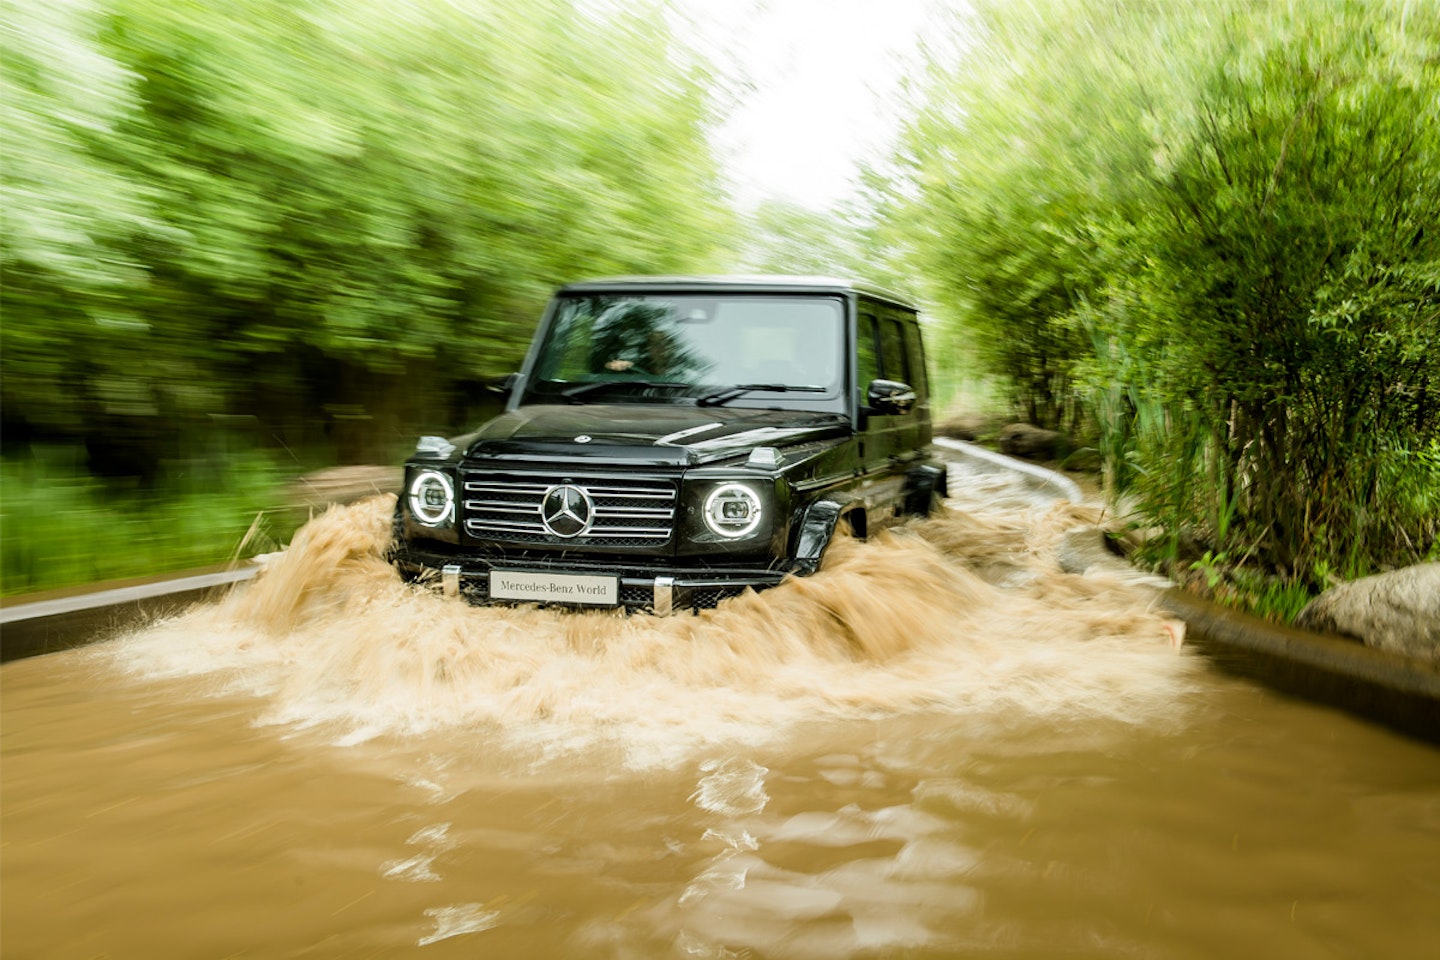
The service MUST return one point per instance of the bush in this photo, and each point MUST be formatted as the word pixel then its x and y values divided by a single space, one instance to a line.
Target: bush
pixel 60 526
pixel 1208 228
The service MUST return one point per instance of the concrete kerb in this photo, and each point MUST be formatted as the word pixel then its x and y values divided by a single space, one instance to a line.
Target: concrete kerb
pixel 1399 692
pixel 35 627
pixel 982 460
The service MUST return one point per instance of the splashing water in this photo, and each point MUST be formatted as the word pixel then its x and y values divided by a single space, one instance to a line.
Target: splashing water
pixel 965 613
pixel 941 745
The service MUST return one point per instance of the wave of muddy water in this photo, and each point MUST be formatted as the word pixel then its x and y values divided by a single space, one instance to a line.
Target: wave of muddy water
pixel 941 745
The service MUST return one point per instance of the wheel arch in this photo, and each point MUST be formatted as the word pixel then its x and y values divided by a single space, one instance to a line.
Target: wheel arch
pixel 816 527
pixel 923 483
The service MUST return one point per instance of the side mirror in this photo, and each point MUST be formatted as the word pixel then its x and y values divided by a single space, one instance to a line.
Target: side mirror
pixel 886 397
pixel 502 386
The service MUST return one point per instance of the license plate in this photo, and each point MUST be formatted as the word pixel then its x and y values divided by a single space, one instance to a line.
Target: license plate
pixel 555 588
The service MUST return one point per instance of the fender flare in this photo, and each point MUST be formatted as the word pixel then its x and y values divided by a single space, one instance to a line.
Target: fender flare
pixel 816 527
pixel 923 483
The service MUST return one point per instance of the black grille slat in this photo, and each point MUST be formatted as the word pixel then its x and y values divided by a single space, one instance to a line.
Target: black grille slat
pixel 658 533
pixel 518 526
pixel 507 507
pixel 502 508
pixel 518 489
pixel 709 598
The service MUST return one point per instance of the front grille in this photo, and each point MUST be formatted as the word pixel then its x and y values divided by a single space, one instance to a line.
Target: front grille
pixel 625 511
pixel 637 597
pixel 708 598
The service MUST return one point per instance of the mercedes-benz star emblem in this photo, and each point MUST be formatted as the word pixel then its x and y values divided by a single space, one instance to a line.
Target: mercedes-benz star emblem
pixel 567 511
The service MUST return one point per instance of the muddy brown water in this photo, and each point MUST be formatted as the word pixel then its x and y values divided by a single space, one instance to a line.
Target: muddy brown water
pixel 940 746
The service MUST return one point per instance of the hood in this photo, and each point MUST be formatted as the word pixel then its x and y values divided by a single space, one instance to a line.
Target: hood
pixel 658 434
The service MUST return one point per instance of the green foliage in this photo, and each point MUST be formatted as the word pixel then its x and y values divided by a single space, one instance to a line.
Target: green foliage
pixel 59 526
pixel 1290 297
pixel 1213 223
pixel 65 214
pixel 1018 152
pixel 787 238
pixel 294 209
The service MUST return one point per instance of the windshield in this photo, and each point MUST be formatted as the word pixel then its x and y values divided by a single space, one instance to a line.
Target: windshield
pixel 640 347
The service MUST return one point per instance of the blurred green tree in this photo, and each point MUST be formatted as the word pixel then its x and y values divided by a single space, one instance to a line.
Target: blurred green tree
pixel 784 237
pixel 66 217
pixel 1206 227
pixel 314 212
pixel 1288 309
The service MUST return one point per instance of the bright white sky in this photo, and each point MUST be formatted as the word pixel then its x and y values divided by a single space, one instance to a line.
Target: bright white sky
pixel 825 79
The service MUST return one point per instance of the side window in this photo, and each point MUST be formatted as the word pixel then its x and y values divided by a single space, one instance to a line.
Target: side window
pixel 915 351
pixel 868 362
pixel 892 344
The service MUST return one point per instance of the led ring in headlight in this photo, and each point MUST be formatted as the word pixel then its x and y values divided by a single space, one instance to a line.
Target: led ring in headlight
pixel 432 498
pixel 732 510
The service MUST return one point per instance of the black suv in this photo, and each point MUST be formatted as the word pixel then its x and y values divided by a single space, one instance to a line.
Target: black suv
pixel 673 441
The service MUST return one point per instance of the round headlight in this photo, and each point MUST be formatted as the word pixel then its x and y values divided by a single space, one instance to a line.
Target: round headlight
pixel 432 498
pixel 732 510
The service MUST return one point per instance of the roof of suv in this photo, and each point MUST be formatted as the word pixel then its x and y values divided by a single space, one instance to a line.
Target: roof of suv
pixel 738 284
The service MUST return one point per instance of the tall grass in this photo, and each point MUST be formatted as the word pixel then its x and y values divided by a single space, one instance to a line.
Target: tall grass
pixel 60 527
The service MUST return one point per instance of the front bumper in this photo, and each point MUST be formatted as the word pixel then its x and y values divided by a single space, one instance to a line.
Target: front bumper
pixel 653 588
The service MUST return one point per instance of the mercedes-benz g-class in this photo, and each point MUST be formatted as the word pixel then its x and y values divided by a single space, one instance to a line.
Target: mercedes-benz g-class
pixel 670 442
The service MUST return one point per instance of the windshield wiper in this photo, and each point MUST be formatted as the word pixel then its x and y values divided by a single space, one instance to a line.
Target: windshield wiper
pixel 740 389
pixel 573 394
